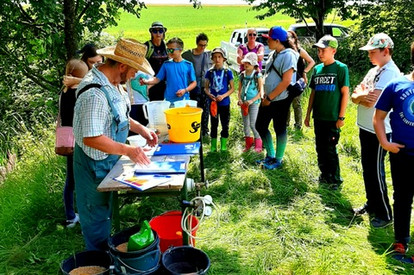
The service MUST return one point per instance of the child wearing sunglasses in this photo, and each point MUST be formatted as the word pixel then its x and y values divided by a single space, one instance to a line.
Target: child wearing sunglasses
pixel 177 72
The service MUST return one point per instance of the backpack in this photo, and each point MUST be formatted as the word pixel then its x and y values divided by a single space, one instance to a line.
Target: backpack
pixel 225 75
pixel 150 49
pixel 255 77
pixel 295 89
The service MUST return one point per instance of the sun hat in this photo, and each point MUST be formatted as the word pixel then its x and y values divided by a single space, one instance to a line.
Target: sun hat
pixel 378 41
pixel 157 25
pixel 251 58
pixel 130 52
pixel 277 33
pixel 219 50
pixel 326 41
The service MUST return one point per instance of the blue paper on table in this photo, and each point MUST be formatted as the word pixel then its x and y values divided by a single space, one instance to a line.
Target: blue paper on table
pixel 177 149
pixel 161 167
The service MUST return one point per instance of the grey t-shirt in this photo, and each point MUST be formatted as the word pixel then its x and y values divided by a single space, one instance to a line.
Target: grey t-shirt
pixel 283 61
pixel 198 60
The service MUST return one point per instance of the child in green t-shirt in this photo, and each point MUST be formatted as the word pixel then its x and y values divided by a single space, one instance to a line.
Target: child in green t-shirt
pixel 327 101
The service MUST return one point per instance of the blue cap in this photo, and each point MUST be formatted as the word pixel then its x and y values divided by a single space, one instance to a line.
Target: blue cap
pixel 277 33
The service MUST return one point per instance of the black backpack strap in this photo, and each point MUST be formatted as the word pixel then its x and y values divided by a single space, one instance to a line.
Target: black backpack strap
pixel 87 87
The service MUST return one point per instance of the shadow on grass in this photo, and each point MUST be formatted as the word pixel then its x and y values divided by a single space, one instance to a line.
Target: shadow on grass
pixel 339 207
pixel 381 240
pixel 237 177
pixel 296 135
pixel 225 262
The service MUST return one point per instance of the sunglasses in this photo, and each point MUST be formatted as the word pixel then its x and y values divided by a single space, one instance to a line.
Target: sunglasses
pixel 171 50
pixel 155 31
pixel 252 34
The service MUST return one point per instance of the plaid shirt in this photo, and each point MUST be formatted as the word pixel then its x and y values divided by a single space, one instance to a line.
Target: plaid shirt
pixel 93 116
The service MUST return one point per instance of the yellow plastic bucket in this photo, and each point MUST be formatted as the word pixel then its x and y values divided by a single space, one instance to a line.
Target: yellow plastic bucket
pixel 184 124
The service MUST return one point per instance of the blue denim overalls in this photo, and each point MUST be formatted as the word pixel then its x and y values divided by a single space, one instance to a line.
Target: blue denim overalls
pixel 95 207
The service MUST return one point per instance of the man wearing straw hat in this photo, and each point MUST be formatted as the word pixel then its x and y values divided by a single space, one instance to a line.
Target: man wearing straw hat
pixel 101 124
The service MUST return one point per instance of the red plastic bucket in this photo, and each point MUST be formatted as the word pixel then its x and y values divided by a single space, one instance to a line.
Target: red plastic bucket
pixel 168 228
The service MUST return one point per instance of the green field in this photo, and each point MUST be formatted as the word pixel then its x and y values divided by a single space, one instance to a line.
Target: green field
pixel 217 22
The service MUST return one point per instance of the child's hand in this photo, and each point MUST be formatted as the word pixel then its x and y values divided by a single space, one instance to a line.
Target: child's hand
pixel 240 102
pixel 219 98
pixel 306 122
pixel 180 92
pixel 142 81
pixel 212 97
pixel 393 147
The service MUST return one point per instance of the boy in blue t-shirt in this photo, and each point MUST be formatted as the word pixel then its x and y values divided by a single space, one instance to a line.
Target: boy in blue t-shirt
pixel 219 86
pixel 397 99
pixel 178 73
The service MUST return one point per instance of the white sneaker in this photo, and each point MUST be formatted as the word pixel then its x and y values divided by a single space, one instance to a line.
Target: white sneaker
pixel 71 223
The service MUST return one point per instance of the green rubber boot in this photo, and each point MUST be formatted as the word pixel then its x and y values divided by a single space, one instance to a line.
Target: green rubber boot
pixel 223 142
pixel 213 145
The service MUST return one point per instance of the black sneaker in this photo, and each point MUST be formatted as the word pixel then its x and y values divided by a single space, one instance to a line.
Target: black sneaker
pixel 380 223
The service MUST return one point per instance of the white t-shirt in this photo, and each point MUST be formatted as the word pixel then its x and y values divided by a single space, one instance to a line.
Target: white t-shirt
pixel 377 78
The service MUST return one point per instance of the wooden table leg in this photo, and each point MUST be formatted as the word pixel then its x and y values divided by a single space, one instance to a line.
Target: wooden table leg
pixel 184 197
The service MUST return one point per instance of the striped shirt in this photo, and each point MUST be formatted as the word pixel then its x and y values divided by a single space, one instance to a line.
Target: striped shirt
pixel 93 116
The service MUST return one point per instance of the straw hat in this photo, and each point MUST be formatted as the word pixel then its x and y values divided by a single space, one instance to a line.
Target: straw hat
pixel 130 52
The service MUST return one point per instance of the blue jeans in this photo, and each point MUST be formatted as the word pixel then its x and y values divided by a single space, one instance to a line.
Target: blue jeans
pixel 95 208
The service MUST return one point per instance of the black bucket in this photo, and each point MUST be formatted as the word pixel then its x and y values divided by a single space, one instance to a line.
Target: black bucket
pixel 143 261
pixel 87 258
pixel 185 260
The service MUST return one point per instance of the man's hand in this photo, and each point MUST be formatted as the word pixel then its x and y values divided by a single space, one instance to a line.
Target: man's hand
pixel 150 136
pixel 137 155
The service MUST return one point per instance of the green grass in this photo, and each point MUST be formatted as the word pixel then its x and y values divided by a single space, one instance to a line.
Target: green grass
pixel 218 22
pixel 268 222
